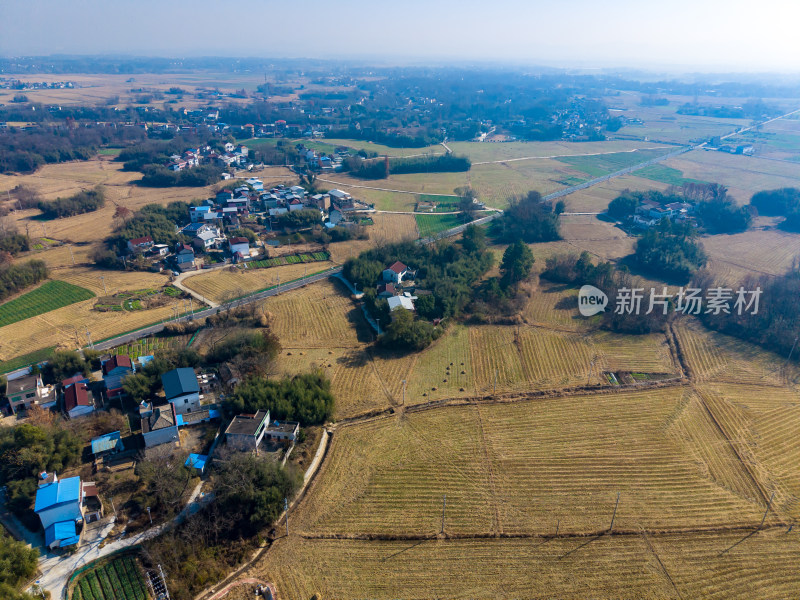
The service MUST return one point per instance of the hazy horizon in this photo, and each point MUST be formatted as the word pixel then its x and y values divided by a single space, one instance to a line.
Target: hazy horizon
pixel 688 36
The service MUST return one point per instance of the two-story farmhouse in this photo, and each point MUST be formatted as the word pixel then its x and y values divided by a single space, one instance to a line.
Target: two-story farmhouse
pixel 24 392
pixel 182 390
pixel 395 272
pixel 115 370
pixel 78 400
pixel 245 432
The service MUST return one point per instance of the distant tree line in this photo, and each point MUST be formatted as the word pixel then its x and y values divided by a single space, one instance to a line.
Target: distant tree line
pixel 82 202
pixel 25 151
pixel 376 168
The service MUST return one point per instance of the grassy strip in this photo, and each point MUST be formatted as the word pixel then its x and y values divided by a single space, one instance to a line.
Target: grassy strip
pixel 52 295
pixel 27 359
pixel 432 224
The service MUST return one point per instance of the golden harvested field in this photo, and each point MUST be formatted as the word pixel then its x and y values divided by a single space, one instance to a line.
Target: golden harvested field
pixel 715 356
pixel 550 350
pixel 743 175
pixel 479 152
pixel 516 468
pixel 319 315
pixel 662 566
pixel 220 285
pixel 601 238
pixel 732 257
pixel 388 228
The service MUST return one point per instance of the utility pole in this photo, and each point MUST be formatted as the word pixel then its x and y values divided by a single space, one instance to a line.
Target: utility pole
pixel 111 499
pixel 149 515
pixel 72 256
pixel 444 506
pixel 764 518
pixel 103 279
pixel 615 514
pixel 286 509
pixel 494 390
pixel 404 392
pixel 89 338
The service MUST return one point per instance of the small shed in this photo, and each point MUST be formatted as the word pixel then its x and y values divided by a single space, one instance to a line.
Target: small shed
pixel 109 443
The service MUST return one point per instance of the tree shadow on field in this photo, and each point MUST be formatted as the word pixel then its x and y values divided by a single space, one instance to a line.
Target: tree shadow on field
pixel 354 359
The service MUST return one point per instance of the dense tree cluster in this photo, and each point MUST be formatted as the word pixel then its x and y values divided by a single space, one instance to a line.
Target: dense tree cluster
pixel 14 243
pixel 200 176
pixel 448 270
pixel 670 251
pixel 16 277
pixel 784 202
pixel 18 564
pixel 527 218
pixel 82 202
pixel 305 398
pixel 377 168
pixel 25 451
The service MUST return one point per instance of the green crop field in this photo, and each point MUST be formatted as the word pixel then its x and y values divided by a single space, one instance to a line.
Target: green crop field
pixel 665 174
pixel 120 579
pixel 432 224
pixel 52 295
pixel 287 260
pixel 603 164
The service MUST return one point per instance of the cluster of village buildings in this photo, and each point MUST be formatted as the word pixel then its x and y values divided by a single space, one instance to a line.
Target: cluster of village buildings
pixel 228 209
pixel 650 213
pixel 189 398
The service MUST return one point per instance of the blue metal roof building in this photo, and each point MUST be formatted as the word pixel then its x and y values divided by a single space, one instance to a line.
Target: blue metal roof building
pixel 62 532
pixel 62 491
pixel 198 461
pixel 179 382
pixel 110 442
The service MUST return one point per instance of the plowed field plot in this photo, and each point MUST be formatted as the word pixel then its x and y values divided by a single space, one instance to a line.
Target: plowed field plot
pixel 517 468
pixel 663 566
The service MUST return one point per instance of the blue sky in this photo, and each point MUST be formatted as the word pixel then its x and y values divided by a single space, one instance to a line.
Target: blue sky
pixel 682 34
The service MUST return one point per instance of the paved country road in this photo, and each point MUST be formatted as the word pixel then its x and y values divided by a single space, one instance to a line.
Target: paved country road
pixel 201 314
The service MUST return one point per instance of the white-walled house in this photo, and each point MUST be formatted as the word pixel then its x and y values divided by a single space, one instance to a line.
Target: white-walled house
pixel 182 389
pixel 59 507
pixel 395 272
pixel 78 400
